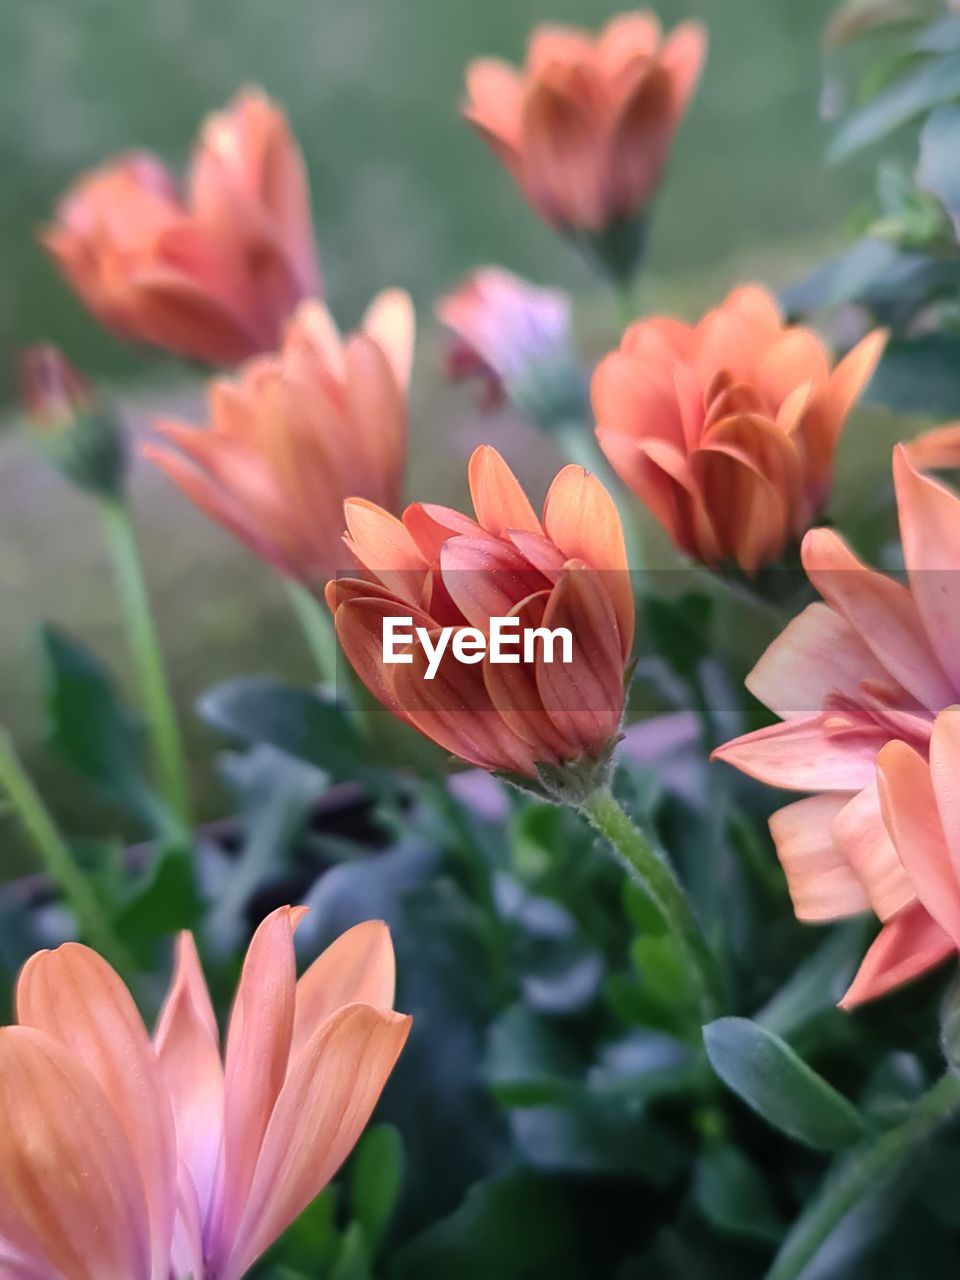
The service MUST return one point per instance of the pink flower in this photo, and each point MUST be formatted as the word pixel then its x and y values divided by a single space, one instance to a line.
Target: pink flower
pixel 122 1159
pixel 874 663
pixel 502 328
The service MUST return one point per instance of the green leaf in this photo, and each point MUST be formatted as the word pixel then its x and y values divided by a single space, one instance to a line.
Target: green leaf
pixel 165 904
pixel 298 721
pixel 679 630
pixel 942 36
pixel 91 730
pixel 938 170
pixel 526 1061
pixel 733 1197
pixel 514 1227
pixel 921 376
pixel 936 82
pixel 353 1262
pixel 771 1079
pixel 376 1180
pixel 817 984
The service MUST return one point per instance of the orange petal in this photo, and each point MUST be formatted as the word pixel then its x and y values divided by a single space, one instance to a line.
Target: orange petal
pixel 358 968
pixel 430 525
pixel 391 322
pixel 907 946
pixel 936 449
pixel 497 496
pixel 187 1043
pixel 684 53
pixel 581 520
pixel 627 37
pixel 495 101
pixel 384 548
pixel 584 698
pixel 821 882
pixel 881 611
pixel 639 141
pixel 257 1057
pixel 910 812
pixel 800 756
pixel 750 514
pixel 561 157
pixel 75 997
pixel 930 530
pixel 861 834
pixel 826 417
pixel 71 1195
pixel 485 579
pixel 360 628
pixel 945 776
pixel 816 654
pixel 333 1086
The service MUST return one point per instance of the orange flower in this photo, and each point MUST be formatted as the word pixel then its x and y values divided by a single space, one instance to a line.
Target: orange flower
pixel 873 664
pixel 936 449
pixel 586 127
pixel 213 275
pixel 918 799
pixel 122 1158
pixel 442 569
pixel 726 429
pixel 298 432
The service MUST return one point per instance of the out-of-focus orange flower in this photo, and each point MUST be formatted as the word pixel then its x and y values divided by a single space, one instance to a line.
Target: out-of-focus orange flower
pixel 504 329
pixel 212 274
pixel 158 1161
pixel 440 568
pixel 586 127
pixel 726 429
pixel 874 663
pixel 295 434
pixel 937 449
pixel 54 394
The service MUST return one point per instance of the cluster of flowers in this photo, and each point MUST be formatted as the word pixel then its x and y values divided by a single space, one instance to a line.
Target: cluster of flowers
pixel 725 430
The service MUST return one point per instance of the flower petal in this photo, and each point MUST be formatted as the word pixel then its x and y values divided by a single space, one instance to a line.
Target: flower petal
pixel 907 946
pixel 497 496
pixel 861 834
pixel 71 1195
pixel 800 756
pixel 391 322
pixel 75 997
pixel 358 968
pixel 945 775
pixel 333 1086
pixel 821 882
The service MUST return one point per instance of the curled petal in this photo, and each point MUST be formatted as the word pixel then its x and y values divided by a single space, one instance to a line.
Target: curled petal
pixel 821 882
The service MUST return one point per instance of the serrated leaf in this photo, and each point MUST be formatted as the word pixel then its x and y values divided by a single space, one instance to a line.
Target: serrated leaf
pixel 776 1083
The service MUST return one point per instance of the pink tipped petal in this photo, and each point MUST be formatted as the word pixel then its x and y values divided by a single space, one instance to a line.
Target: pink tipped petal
pixel 358 968
pixel 258 1053
pixel 684 54
pixel 881 611
pixel 936 449
pixel 333 1086
pixel 71 1195
pixel 187 1044
pixel 910 813
pixel 817 654
pixel 930 529
pixel 945 775
pixel 907 946
pixel 800 756
pixel 75 997
pixel 821 882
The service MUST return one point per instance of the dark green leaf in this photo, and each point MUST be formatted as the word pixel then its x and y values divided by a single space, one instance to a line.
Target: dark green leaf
pixel 167 903
pixel 817 984
pixel 766 1073
pixel 376 1180
pixel 298 721
pixel 353 1261
pixel 942 36
pixel 679 630
pixel 91 730
pixel 935 82
pixel 921 376
pixel 527 1062
pixel 733 1196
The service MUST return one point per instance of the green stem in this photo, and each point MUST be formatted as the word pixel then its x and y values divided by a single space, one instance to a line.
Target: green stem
pixel 144 643
pixel 861 1174
pixel 656 878
pixel 626 304
pixel 318 629
pixel 58 860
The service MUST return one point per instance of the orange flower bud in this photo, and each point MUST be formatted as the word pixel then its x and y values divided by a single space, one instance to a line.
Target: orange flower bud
pixel 122 1156
pixel 726 429
pixel 296 433
pixel 213 274
pixel 440 569
pixel 585 128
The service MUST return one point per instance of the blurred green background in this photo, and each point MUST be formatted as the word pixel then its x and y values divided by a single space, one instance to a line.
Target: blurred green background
pixel 404 193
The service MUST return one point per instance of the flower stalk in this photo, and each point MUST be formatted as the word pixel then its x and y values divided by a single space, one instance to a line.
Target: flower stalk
pixel 655 876
pixel 58 860
pixel 157 704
